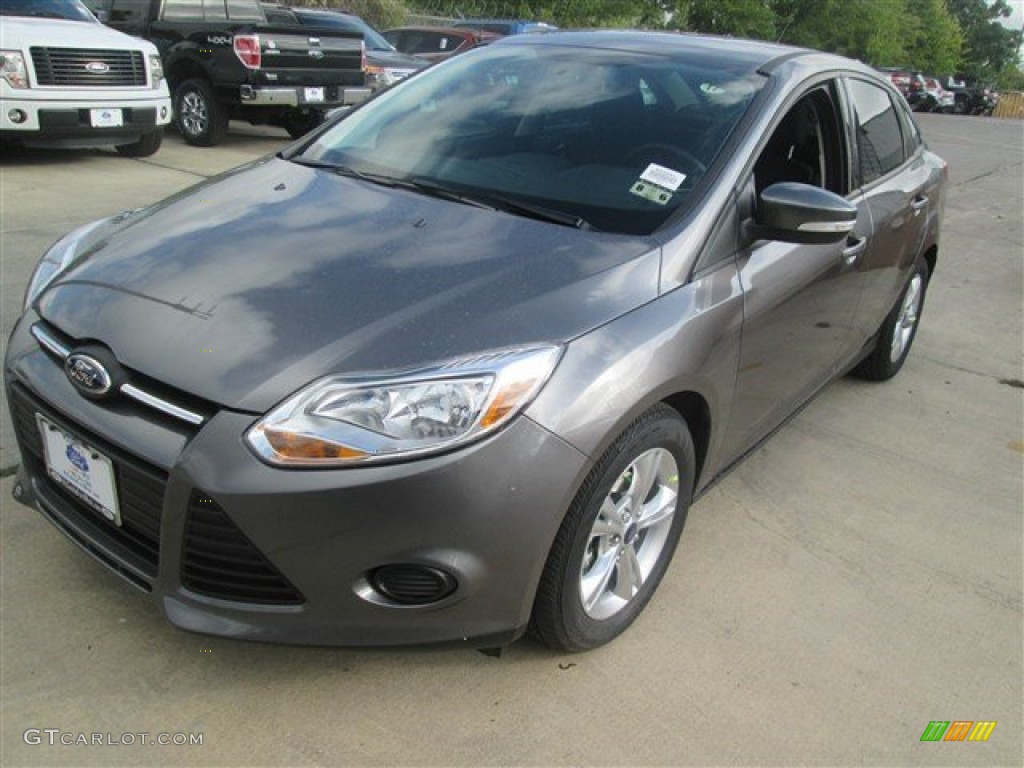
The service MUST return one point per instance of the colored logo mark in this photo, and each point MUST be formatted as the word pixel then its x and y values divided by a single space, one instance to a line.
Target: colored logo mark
pixel 958 730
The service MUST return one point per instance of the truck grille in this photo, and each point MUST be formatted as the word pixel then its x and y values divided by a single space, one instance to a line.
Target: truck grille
pixel 88 68
pixel 220 561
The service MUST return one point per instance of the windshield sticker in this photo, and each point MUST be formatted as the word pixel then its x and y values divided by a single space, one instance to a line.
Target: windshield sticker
pixel 663 177
pixel 658 184
pixel 652 192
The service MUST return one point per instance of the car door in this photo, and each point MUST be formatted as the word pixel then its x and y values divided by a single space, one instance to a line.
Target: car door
pixel 895 182
pixel 799 300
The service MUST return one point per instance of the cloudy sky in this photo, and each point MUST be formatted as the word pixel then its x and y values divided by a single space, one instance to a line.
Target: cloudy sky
pixel 1017 18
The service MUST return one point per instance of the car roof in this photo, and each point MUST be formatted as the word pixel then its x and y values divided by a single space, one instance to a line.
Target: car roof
pixel 705 47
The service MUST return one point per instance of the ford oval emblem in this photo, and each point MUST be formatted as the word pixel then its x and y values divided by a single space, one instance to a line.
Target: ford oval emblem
pixel 87 374
pixel 97 66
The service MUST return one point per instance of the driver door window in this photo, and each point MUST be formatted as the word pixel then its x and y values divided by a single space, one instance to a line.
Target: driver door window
pixel 805 147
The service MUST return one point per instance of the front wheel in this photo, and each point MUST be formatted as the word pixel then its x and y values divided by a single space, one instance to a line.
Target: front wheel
pixel 201 120
pixel 899 329
pixel 147 145
pixel 617 540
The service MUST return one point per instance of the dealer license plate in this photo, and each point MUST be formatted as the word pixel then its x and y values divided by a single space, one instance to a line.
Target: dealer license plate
pixel 81 469
pixel 315 94
pixel 106 118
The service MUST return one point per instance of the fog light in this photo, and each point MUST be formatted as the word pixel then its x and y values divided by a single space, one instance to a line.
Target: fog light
pixel 17 116
pixel 411 584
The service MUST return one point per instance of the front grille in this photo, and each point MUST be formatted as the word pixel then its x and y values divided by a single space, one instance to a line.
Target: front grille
pixel 140 485
pixel 77 67
pixel 219 561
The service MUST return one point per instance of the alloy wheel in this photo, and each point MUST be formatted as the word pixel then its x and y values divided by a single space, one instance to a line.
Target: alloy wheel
pixel 907 320
pixel 193 113
pixel 629 533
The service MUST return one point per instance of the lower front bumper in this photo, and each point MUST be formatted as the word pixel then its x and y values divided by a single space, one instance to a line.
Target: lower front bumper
pixel 71 123
pixel 486 515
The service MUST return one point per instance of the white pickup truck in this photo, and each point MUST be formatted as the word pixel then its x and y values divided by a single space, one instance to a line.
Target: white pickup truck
pixel 67 80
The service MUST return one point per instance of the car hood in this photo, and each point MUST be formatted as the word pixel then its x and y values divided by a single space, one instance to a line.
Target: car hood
pixel 243 289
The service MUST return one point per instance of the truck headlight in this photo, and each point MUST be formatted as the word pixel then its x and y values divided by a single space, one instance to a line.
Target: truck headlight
pixel 12 69
pixel 156 69
pixel 341 421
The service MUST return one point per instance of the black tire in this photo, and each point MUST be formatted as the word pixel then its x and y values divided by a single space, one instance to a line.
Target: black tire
pixel 298 123
pixel 560 619
pixel 887 358
pixel 147 144
pixel 201 120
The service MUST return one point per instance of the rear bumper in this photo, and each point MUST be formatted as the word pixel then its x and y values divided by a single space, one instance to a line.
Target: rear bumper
pixel 326 97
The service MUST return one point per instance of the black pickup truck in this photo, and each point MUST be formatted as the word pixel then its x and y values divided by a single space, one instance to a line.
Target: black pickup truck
pixel 223 60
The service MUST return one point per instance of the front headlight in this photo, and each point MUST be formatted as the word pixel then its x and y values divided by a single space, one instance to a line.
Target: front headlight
pixel 61 255
pixel 343 421
pixel 12 69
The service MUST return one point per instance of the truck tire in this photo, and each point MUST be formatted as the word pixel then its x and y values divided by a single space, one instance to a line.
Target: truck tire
pixel 201 120
pixel 147 144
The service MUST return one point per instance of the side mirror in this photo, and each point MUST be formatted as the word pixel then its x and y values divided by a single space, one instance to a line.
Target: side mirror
pixel 799 213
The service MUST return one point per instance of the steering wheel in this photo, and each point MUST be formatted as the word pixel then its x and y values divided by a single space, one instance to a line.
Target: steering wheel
pixel 667 155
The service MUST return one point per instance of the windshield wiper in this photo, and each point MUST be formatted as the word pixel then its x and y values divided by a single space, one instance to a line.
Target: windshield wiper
pixel 420 186
pixel 488 200
pixel 540 212
pixel 434 189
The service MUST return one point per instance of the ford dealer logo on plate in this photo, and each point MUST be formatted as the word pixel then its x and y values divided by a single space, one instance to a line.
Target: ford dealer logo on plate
pixel 76 457
pixel 87 374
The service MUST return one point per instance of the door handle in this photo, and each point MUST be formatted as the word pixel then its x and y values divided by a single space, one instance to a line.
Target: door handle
pixel 854 249
pixel 919 204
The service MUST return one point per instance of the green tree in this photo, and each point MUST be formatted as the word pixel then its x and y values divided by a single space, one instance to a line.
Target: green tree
pixel 989 47
pixel 934 41
pixel 568 13
pixel 378 13
pixel 870 30
pixel 739 18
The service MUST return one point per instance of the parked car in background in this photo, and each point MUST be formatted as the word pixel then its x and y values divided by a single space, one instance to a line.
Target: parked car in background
pixel 437 43
pixel 66 80
pixel 506 26
pixel 224 61
pixel 385 65
pixel 936 98
pixel 909 83
pixel 972 98
pixel 456 366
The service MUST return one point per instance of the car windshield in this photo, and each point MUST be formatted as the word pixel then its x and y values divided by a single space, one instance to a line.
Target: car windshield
pixel 615 140
pixel 374 40
pixel 47 9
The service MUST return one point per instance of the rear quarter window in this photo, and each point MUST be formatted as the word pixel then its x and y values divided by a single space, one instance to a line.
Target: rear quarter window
pixel 880 143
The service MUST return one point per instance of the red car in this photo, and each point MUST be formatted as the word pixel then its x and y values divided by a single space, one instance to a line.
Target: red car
pixel 437 43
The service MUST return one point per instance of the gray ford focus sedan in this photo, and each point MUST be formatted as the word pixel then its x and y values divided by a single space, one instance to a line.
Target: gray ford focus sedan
pixel 455 365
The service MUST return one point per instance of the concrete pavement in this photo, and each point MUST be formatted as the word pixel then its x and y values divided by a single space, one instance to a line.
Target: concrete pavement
pixel 856 578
